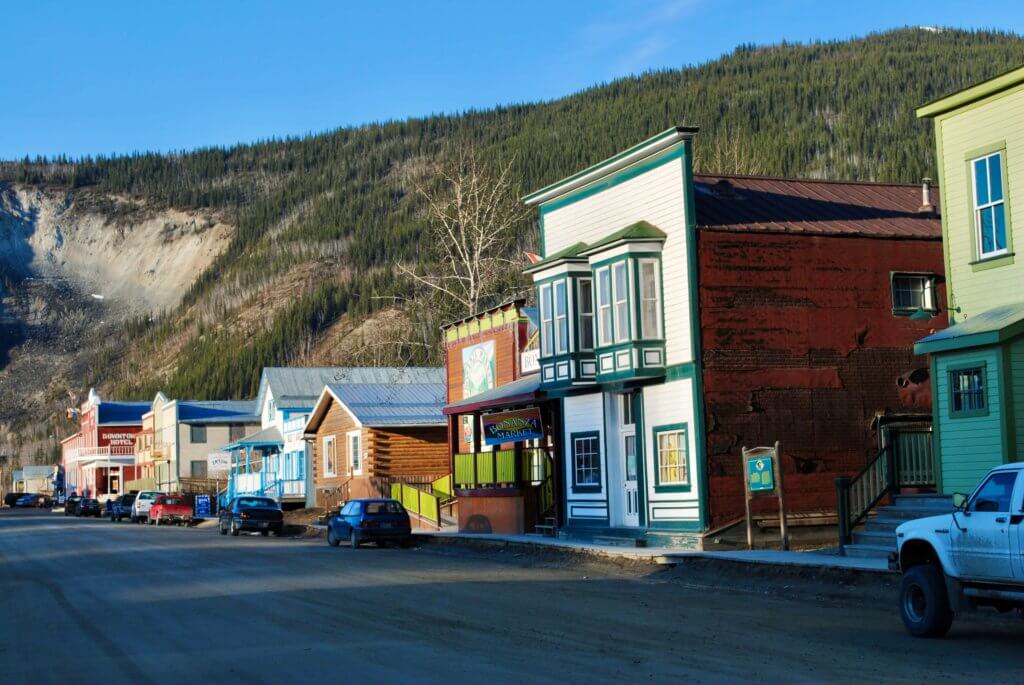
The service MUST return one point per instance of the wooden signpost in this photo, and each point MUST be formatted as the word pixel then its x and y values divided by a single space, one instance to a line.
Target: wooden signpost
pixel 762 477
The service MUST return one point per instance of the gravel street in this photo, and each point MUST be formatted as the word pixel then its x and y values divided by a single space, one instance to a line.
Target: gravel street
pixel 96 602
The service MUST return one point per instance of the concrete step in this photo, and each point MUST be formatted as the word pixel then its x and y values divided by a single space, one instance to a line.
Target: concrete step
pixel 880 538
pixel 906 513
pixel 883 524
pixel 864 551
pixel 931 501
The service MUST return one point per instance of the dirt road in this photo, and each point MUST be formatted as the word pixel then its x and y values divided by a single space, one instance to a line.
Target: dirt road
pixel 95 602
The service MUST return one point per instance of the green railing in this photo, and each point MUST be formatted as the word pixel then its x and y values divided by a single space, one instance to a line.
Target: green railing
pixel 442 487
pixel 857 496
pixel 485 468
pixel 424 504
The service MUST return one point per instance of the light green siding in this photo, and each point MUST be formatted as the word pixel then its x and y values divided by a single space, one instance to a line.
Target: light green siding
pixel 969 446
pixel 982 126
pixel 1017 391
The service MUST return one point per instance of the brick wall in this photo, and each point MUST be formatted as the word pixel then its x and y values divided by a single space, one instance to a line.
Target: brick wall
pixel 801 345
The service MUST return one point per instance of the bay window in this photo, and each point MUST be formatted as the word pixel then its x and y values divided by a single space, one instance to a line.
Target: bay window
pixel 561 318
pixel 604 306
pixel 620 282
pixel 650 299
pixel 585 306
pixel 547 332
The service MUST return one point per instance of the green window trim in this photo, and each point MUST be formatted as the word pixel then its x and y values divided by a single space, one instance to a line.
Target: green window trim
pixel 1005 257
pixel 951 373
pixel 578 487
pixel 656 432
pixel 635 336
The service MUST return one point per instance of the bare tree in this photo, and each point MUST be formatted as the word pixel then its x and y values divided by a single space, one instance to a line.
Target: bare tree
pixel 728 153
pixel 473 209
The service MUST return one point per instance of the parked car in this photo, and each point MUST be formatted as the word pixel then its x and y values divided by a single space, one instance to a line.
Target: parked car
pixel 370 520
pixel 170 509
pixel 121 508
pixel 143 501
pixel 966 559
pixel 11 498
pixel 89 507
pixel 33 500
pixel 71 505
pixel 262 514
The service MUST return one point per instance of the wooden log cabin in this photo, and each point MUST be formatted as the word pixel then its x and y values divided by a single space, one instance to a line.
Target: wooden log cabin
pixel 367 436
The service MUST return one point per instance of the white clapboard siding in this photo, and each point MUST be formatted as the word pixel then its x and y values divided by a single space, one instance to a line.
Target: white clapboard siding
pixel 583 414
pixel 657 197
pixel 666 404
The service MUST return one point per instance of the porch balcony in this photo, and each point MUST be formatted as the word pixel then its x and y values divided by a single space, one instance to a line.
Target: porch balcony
pixel 296 424
pixel 502 468
pixel 268 484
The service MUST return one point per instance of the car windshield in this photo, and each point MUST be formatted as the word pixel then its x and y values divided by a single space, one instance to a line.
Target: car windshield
pixel 256 502
pixel 377 508
pixel 174 501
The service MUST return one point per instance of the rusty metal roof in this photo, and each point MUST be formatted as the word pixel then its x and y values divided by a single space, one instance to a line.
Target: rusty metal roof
pixel 813 207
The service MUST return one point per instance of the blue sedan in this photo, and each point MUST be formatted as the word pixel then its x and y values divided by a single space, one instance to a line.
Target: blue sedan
pixel 370 520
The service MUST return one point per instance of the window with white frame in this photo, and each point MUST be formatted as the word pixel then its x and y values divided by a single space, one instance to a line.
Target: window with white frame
pixel 650 299
pixel 585 307
pixel 330 457
pixel 989 205
pixel 561 318
pixel 604 306
pixel 620 290
pixel 911 292
pixel 671 450
pixel 627 410
pixel 547 322
pixel 586 460
pixel 355 453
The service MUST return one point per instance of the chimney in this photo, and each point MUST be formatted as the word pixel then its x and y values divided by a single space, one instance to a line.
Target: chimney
pixel 926 196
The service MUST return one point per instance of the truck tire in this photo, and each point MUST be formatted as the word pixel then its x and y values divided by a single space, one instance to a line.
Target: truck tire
pixel 924 604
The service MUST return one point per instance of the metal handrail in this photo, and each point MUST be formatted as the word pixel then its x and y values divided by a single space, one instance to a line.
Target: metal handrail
pixel 857 496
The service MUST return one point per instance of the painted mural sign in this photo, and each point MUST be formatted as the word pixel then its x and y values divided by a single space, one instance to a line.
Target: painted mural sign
pixel 478 368
pixel 218 462
pixel 513 426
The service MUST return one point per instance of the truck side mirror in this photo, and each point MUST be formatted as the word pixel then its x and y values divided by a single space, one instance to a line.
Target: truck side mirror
pixel 959 501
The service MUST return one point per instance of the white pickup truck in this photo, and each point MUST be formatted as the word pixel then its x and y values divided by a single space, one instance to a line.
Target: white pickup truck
pixel 970 558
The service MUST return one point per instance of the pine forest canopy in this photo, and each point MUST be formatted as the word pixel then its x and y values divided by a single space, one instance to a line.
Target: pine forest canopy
pixel 840 110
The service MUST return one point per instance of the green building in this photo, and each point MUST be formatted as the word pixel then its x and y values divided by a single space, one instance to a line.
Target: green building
pixel 977 364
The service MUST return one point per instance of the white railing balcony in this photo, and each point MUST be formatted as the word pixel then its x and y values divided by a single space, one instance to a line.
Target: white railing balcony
pixel 296 424
pixel 293 488
pixel 249 484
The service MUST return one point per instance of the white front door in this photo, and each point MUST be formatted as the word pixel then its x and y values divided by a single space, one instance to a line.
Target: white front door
pixel 631 496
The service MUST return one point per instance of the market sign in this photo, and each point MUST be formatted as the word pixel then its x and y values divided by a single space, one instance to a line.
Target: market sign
pixel 760 474
pixel 513 426
pixel 202 506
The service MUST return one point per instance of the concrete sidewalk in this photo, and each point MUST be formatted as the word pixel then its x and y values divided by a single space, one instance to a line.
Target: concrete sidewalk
pixel 668 555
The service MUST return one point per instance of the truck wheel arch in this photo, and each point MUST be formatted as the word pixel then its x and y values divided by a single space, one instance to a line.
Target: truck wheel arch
pixel 918 552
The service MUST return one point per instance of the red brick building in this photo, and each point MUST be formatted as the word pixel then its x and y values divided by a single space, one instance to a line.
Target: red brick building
pixel 811 296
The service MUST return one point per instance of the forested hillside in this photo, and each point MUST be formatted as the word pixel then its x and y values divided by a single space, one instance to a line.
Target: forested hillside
pixel 341 203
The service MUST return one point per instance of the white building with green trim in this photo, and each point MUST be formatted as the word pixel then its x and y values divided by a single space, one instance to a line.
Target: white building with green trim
pixel 978 362
pixel 619 338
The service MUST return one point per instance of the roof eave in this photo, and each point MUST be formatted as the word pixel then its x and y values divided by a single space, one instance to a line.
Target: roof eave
pixel 966 96
pixel 623 159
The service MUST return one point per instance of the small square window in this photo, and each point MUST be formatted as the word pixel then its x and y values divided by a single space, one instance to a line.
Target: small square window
pixel 197 434
pixel 967 392
pixel 911 292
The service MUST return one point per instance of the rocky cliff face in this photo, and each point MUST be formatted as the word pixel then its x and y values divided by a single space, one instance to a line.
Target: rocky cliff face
pixel 73 266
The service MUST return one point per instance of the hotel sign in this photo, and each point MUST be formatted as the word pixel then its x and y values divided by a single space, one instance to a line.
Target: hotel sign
pixel 513 426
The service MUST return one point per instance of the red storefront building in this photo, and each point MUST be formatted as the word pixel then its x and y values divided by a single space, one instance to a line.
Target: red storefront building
pixel 99 458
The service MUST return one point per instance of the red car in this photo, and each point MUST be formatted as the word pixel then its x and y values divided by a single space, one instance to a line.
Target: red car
pixel 170 509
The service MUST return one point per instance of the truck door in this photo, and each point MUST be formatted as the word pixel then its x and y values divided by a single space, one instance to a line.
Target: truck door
pixel 983 539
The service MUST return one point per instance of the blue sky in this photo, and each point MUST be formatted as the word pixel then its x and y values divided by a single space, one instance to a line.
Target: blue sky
pixel 106 77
